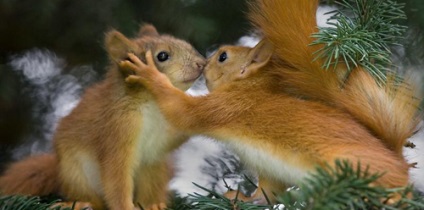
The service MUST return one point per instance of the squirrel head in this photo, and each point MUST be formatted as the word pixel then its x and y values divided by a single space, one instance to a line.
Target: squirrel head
pixel 232 63
pixel 174 57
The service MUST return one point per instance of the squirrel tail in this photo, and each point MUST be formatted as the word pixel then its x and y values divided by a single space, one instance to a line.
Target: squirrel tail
pixel 35 175
pixel 389 111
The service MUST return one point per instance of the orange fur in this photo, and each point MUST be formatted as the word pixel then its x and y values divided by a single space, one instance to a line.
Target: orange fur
pixel 283 126
pixel 390 112
pixel 280 136
pixel 36 175
pixel 113 147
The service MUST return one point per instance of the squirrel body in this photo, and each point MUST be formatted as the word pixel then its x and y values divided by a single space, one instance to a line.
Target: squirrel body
pixel 282 113
pixel 389 112
pixel 112 148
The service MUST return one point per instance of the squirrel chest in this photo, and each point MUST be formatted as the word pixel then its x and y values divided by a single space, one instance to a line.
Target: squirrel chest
pixel 154 135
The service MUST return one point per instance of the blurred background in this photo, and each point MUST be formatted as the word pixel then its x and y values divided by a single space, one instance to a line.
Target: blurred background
pixel 50 50
pixel 49 46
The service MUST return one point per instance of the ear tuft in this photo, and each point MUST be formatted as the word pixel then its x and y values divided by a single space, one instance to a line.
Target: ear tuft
pixel 147 30
pixel 117 45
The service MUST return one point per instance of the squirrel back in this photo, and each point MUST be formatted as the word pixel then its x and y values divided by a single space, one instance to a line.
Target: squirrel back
pixel 389 111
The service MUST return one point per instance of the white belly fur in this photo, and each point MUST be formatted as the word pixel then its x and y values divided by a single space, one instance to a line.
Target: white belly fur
pixel 155 135
pixel 91 170
pixel 260 159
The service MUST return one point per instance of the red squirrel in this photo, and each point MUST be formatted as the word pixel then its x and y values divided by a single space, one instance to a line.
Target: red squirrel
pixel 111 150
pixel 281 112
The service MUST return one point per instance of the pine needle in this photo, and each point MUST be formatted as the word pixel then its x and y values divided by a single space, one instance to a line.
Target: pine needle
pixel 362 36
pixel 20 202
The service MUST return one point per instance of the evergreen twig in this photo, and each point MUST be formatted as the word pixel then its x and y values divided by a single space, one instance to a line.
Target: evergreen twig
pixel 21 202
pixel 361 33
pixel 345 187
pixel 216 201
pixel 338 188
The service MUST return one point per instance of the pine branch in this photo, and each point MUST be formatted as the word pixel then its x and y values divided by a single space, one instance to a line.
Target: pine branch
pixel 216 201
pixel 344 187
pixel 21 202
pixel 341 187
pixel 361 36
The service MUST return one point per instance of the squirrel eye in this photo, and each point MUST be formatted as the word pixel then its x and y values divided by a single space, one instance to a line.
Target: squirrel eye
pixel 162 56
pixel 222 57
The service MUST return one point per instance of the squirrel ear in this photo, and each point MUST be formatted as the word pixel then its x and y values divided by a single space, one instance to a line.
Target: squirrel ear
pixel 117 45
pixel 147 30
pixel 262 52
pixel 259 57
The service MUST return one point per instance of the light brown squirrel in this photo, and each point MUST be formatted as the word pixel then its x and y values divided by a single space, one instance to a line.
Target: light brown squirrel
pixel 282 113
pixel 112 149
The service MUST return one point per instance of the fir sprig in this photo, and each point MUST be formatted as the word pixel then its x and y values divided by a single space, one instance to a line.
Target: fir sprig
pixel 361 33
pixel 346 187
pixel 216 201
pixel 15 202
pixel 338 188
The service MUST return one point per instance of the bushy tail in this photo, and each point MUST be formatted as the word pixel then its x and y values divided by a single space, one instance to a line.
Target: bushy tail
pixel 289 24
pixel 389 111
pixel 36 175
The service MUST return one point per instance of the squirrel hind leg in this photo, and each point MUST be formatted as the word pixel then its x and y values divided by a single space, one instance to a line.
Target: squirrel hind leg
pixel 151 185
pixel 80 181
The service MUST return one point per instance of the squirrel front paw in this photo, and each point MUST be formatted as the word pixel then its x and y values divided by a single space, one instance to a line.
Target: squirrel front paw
pixel 142 72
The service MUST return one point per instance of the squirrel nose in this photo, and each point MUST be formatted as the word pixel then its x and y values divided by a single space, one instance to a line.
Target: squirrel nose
pixel 200 66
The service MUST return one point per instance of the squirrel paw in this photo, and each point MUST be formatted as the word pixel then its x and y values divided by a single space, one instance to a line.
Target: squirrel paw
pixel 75 205
pixel 159 206
pixel 142 71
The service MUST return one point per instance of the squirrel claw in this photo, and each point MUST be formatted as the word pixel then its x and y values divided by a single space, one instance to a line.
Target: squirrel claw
pixel 125 68
pixel 159 206
pixel 132 79
pixel 127 65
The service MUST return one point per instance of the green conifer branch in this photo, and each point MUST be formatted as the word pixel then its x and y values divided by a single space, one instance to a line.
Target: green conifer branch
pixel 338 188
pixel 21 202
pixel 361 35
pixel 216 201
pixel 345 187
